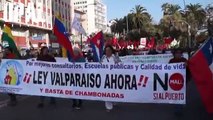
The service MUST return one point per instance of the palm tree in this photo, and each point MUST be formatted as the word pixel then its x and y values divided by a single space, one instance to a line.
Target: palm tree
pixel 196 17
pixel 170 9
pixel 140 16
pixel 165 7
pixel 197 14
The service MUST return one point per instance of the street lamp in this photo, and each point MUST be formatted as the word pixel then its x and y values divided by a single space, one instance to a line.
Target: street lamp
pixel 81 24
pixel 184 3
pixel 127 24
pixel 189 33
pixel 188 26
pixel 210 19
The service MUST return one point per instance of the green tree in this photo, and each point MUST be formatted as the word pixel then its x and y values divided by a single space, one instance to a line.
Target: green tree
pixel 196 14
pixel 140 16
pixel 170 9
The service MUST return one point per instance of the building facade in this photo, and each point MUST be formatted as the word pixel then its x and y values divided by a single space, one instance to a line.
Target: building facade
pixel 96 12
pixel 32 20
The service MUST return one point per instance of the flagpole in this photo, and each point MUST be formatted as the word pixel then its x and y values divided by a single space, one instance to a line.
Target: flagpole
pixel 81 42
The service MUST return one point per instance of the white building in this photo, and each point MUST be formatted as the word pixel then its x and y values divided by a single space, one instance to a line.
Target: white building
pixel 96 12
pixel 30 13
pixel 32 20
pixel 66 10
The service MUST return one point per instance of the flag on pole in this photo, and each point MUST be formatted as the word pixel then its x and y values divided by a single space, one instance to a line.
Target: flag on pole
pixel 62 37
pixel 201 67
pixel 77 26
pixel 8 38
pixel 97 44
pixel 152 43
pixel 64 52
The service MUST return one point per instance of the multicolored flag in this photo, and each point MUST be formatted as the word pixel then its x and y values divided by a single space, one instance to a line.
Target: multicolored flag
pixel 152 43
pixel 62 37
pixel 8 38
pixel 201 67
pixel 97 44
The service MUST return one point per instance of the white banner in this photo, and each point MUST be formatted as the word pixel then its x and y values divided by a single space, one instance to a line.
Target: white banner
pixel 143 41
pixel 137 83
pixel 160 58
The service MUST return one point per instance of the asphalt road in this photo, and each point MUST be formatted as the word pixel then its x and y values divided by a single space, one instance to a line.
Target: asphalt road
pixel 93 110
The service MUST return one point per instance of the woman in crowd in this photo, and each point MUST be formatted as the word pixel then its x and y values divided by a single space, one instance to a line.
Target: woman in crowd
pixel 45 56
pixel 77 103
pixel 9 54
pixel 109 57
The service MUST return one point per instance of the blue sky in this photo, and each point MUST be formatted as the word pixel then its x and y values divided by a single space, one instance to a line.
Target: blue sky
pixel 119 8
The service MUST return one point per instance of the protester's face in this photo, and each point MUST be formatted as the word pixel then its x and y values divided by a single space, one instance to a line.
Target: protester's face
pixel 108 52
pixel 1 55
pixel 35 54
pixel 45 51
pixel 178 54
pixel 76 52
pixel 6 51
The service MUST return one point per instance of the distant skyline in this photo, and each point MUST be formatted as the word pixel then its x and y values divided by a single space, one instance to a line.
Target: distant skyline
pixel 120 8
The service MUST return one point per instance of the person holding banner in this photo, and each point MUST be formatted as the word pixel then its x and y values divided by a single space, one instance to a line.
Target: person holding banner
pixel 8 54
pixel 109 57
pixel 45 56
pixel 77 103
pixel 152 51
pixel 178 58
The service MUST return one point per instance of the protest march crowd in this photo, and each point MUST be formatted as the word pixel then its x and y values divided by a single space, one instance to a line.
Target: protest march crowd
pixel 106 54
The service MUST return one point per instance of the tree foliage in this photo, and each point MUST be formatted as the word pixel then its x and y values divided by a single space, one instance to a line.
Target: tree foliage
pixel 177 23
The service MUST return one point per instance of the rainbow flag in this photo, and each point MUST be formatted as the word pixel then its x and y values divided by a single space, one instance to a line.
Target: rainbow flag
pixel 8 37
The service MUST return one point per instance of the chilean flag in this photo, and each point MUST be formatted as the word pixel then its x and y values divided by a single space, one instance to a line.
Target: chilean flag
pixel 201 67
pixel 97 44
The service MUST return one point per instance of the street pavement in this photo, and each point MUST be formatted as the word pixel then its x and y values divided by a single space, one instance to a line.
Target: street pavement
pixel 94 110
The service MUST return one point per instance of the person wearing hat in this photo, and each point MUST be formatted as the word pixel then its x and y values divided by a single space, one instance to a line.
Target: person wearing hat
pixel 178 56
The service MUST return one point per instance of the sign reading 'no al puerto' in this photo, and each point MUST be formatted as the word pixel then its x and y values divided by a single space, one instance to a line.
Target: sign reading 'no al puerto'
pixel 136 83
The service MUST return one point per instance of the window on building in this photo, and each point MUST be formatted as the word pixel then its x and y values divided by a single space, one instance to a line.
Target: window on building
pixel 56 8
pixel 44 16
pixel 48 3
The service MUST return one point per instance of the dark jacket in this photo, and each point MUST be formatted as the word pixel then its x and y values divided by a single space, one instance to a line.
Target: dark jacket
pixel 152 52
pixel 10 56
pixel 173 60
pixel 46 58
